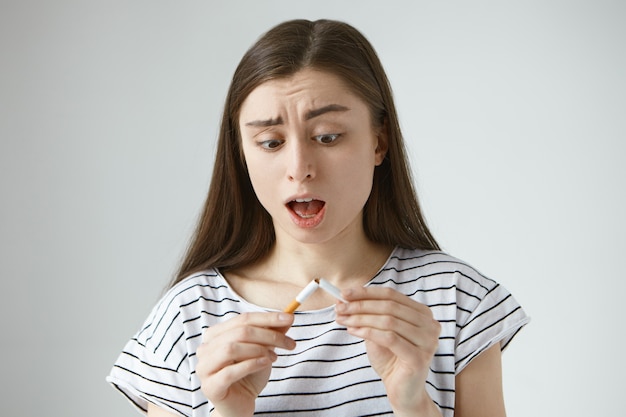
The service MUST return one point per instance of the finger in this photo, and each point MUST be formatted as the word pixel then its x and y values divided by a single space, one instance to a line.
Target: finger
pixel 211 358
pixel 411 312
pixel 228 341
pixel 419 332
pixel 414 355
pixel 383 294
pixel 216 385
pixel 269 320
pixel 386 309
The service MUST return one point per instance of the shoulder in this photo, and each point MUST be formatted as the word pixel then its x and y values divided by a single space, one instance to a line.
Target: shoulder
pixel 475 310
pixel 157 364
pixel 450 286
pixel 195 287
pixel 186 305
pixel 435 267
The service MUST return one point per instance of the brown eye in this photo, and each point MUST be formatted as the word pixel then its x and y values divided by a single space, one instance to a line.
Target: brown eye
pixel 327 139
pixel 270 144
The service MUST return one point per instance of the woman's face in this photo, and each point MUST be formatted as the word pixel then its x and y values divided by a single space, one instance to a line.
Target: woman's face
pixel 311 150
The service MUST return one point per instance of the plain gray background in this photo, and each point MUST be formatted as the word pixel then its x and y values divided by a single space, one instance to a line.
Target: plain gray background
pixel 514 118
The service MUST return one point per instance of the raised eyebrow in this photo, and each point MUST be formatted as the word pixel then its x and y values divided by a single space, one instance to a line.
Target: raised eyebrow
pixel 311 114
pixel 326 109
pixel 266 123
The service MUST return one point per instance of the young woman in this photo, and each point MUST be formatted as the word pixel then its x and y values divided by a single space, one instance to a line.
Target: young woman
pixel 311 181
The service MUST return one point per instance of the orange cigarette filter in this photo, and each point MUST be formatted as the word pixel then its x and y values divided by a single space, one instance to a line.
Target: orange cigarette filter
pixel 303 295
pixel 293 306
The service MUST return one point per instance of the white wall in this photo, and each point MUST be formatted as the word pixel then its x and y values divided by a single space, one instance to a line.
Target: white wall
pixel 514 116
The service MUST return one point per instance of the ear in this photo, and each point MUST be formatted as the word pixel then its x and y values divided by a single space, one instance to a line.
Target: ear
pixel 383 143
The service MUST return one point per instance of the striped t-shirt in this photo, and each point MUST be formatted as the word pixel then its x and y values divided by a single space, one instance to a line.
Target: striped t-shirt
pixel 328 373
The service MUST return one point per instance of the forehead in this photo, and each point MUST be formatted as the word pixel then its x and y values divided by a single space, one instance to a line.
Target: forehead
pixel 306 89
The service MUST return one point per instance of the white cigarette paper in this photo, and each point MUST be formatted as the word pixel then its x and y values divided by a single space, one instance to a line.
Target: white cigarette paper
pixel 330 288
pixel 307 291
pixel 303 295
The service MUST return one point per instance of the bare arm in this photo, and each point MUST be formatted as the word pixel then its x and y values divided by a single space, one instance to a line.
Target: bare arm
pixel 154 411
pixel 401 337
pixel 479 386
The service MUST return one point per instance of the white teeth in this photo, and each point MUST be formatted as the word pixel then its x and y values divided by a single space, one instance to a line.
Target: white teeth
pixel 303 200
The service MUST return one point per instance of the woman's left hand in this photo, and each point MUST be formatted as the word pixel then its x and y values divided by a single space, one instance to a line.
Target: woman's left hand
pixel 401 337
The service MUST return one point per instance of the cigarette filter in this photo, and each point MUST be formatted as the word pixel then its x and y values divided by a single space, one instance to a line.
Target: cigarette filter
pixel 303 295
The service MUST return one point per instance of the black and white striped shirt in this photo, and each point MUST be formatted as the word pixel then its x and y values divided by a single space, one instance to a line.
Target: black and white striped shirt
pixel 328 373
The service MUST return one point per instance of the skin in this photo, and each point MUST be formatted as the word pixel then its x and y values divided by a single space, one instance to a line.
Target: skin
pixel 309 136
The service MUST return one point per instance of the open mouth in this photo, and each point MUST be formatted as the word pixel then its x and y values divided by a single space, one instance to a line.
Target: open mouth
pixel 306 208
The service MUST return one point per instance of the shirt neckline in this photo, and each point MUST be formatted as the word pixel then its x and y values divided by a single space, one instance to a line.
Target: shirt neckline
pixel 255 307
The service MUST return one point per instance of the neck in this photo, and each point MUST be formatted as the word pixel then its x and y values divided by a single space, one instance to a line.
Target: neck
pixel 342 261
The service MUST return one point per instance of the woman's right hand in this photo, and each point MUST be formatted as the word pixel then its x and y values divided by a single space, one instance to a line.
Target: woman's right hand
pixel 235 359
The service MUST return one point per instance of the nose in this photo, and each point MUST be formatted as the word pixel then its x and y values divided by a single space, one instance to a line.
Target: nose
pixel 300 164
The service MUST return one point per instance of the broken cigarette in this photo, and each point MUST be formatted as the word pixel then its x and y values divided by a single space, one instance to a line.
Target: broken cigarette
pixel 310 289
pixel 303 295
pixel 330 288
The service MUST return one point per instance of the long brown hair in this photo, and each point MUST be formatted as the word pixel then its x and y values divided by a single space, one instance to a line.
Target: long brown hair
pixel 234 229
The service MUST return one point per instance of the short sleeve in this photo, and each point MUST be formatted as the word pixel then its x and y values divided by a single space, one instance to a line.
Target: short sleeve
pixel 153 366
pixel 496 318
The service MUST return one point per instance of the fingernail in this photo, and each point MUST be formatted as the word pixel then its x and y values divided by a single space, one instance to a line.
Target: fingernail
pixel 340 308
pixel 284 317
